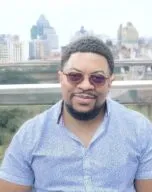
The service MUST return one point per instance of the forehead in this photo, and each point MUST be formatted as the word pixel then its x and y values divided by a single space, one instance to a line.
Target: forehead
pixel 87 62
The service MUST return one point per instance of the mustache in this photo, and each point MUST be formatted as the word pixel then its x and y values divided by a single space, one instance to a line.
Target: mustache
pixel 85 92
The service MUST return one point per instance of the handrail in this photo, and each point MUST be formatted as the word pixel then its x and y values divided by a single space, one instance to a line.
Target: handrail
pixel 123 91
pixel 17 88
pixel 118 63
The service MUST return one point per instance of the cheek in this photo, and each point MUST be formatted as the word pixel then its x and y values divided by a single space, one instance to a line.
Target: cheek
pixel 103 92
pixel 67 90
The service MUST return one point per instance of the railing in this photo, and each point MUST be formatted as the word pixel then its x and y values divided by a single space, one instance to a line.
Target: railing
pixel 118 63
pixel 123 91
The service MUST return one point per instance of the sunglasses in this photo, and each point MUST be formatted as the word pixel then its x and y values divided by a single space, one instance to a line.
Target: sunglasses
pixel 94 79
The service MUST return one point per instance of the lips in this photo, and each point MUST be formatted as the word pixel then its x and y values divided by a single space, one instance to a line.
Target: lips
pixel 85 96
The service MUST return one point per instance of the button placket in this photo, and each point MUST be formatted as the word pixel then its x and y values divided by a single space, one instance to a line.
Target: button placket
pixel 87 172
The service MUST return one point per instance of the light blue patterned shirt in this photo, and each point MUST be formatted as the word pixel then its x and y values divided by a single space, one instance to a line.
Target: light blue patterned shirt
pixel 46 155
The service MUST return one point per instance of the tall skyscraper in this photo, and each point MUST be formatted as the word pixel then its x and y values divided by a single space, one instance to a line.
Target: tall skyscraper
pixel 119 35
pixel 128 35
pixel 11 49
pixel 42 35
pixel 81 32
pixel 38 49
pixel 34 32
pixel 42 24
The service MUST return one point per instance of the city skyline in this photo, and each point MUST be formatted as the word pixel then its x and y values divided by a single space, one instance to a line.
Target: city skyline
pixel 66 16
pixel 43 39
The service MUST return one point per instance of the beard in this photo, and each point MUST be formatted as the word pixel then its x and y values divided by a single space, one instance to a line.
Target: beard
pixel 85 116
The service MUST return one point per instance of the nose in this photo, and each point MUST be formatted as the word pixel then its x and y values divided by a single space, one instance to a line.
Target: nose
pixel 85 84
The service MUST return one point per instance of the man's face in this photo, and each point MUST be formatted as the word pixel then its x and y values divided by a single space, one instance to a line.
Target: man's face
pixel 85 96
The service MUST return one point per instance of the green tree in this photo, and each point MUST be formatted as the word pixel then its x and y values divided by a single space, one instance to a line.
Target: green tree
pixel 16 77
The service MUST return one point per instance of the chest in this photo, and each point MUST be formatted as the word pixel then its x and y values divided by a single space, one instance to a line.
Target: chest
pixel 68 164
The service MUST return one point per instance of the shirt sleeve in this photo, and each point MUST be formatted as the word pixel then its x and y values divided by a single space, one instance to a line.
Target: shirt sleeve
pixel 16 167
pixel 144 170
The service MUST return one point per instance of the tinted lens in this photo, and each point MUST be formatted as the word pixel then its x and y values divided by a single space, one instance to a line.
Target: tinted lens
pixel 75 77
pixel 97 79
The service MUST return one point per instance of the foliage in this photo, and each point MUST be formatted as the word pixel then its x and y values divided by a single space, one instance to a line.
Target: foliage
pixel 16 77
pixel 11 118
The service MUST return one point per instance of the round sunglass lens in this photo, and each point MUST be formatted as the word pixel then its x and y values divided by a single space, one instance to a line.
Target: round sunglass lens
pixel 97 79
pixel 75 77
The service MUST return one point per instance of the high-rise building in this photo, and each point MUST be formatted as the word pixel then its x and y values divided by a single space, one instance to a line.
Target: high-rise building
pixel 46 37
pixel 34 32
pixel 128 35
pixel 51 37
pixel 80 33
pixel 37 49
pixel 119 35
pixel 11 49
pixel 42 24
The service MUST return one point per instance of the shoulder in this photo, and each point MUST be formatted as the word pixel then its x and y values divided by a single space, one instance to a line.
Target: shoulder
pixel 129 118
pixel 124 112
pixel 35 129
pixel 38 122
pixel 133 126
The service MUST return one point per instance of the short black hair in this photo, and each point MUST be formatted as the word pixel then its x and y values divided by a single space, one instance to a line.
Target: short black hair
pixel 90 44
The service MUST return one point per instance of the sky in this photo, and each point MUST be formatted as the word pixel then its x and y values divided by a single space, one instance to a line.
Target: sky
pixel 66 16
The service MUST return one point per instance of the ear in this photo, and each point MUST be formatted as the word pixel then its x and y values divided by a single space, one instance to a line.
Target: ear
pixel 112 78
pixel 60 76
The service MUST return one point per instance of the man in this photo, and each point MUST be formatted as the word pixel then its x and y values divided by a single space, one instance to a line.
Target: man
pixel 86 142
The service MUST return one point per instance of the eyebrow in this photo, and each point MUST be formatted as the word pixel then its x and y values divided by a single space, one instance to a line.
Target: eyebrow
pixel 98 71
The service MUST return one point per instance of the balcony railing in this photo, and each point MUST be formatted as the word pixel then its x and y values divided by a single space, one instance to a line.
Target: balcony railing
pixel 128 92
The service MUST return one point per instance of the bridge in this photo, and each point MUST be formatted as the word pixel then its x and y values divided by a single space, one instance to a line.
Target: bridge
pixel 46 71
pixel 37 63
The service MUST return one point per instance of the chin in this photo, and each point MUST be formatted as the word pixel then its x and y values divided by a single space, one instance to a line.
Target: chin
pixel 83 113
pixel 82 109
